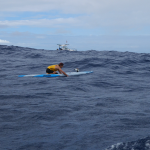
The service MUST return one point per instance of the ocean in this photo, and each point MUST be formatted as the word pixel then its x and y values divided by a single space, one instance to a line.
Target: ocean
pixel 108 109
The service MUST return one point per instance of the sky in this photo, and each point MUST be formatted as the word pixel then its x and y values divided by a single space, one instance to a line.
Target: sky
pixel 121 25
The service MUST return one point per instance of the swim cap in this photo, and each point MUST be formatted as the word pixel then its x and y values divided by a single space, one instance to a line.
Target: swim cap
pixel 61 64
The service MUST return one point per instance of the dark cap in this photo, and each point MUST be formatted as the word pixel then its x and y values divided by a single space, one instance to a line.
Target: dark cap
pixel 61 64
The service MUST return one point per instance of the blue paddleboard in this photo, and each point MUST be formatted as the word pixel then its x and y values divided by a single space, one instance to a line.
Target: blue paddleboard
pixel 56 75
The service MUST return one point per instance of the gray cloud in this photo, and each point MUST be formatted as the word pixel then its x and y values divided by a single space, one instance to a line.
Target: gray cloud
pixel 4 26
pixel 95 13
pixel 58 22
pixel 77 6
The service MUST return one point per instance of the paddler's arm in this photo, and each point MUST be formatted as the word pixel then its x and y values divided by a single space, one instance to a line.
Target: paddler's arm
pixel 60 70
pixel 63 72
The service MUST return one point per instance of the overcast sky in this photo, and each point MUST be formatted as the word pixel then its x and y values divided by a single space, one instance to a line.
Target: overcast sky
pixel 122 25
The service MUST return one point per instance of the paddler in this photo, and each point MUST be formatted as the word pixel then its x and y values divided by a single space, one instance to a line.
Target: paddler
pixel 52 69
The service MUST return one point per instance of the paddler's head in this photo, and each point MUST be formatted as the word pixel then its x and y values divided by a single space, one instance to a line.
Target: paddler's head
pixel 61 65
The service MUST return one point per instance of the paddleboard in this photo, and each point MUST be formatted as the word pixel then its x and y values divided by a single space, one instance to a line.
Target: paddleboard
pixel 57 75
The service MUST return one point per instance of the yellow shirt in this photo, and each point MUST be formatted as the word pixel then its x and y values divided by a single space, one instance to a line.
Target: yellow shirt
pixel 52 68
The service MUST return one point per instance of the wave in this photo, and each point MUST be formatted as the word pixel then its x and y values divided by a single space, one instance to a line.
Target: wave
pixel 141 144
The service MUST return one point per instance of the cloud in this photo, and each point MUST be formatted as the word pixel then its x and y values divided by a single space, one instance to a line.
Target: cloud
pixel 58 22
pixel 62 31
pixel 116 23
pixel 115 14
pixel 3 26
pixel 19 34
pixel 4 42
pixel 76 6
pixel 40 37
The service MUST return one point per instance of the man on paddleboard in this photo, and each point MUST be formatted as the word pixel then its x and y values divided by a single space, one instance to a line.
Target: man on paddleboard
pixel 52 69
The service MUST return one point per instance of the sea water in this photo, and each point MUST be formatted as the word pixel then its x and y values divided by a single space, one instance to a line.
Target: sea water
pixel 106 110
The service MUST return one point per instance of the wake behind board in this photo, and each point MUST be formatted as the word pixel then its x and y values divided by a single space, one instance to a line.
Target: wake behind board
pixel 57 75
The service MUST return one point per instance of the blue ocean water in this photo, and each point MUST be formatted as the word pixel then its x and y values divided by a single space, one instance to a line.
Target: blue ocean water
pixel 106 110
